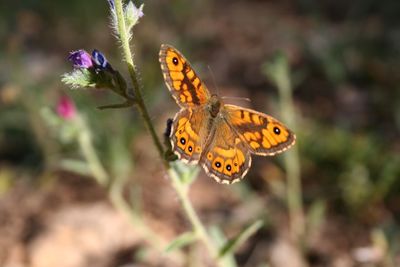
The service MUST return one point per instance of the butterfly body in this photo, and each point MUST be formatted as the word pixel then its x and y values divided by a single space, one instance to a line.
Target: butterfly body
pixel 221 137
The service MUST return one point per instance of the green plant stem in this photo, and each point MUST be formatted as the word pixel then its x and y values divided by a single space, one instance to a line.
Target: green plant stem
pixel 177 184
pixel 123 36
pixel 85 143
pixel 155 240
pixel 198 227
pixel 294 193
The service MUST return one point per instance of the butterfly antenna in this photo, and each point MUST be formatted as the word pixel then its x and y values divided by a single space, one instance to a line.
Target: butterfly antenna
pixel 213 78
pixel 225 97
pixel 237 98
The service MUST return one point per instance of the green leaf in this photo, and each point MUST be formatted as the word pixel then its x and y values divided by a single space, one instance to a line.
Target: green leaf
pixel 64 130
pixel 217 235
pixel 76 166
pixel 234 243
pixel 277 70
pixel 50 117
pixel 6 180
pixel 120 85
pixel 190 175
pixel 90 78
pixel 181 241
pixel 187 173
pixel 219 238
pixel 315 215
pixel 79 78
pixel 126 104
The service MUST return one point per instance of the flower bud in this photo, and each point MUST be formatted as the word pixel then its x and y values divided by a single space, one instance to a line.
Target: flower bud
pixel 100 60
pixel 66 108
pixel 81 59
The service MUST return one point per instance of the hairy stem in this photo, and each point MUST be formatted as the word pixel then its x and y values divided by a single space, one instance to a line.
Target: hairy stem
pixel 123 36
pixel 177 183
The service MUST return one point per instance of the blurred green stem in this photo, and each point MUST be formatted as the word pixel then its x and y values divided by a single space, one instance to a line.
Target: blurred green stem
pixel 278 72
pixel 88 151
pixel 115 187
pixel 180 187
pixel 198 227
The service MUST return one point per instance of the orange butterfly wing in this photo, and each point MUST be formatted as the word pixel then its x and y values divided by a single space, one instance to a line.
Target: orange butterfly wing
pixel 189 134
pixel 183 83
pixel 263 134
pixel 226 157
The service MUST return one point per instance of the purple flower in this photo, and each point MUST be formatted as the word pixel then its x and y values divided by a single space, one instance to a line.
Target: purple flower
pixel 99 59
pixel 81 59
pixel 138 12
pixel 111 3
pixel 66 108
pixel 132 14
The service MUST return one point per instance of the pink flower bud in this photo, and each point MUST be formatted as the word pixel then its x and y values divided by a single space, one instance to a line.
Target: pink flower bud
pixel 66 108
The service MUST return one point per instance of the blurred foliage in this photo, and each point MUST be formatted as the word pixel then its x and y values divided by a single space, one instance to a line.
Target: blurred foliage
pixel 345 57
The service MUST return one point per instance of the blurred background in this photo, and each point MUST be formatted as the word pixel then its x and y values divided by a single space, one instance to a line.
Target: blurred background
pixel 344 59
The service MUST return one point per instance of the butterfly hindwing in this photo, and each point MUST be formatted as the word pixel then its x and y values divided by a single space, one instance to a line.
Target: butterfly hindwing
pixel 226 157
pixel 263 134
pixel 182 81
pixel 188 134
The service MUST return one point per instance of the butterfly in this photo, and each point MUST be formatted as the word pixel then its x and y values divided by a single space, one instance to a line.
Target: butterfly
pixel 221 137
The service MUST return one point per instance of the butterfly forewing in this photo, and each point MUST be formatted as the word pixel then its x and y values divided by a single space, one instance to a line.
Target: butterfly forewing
pixel 182 81
pixel 263 134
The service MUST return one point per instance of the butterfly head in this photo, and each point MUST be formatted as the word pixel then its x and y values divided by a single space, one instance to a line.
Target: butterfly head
pixel 214 105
